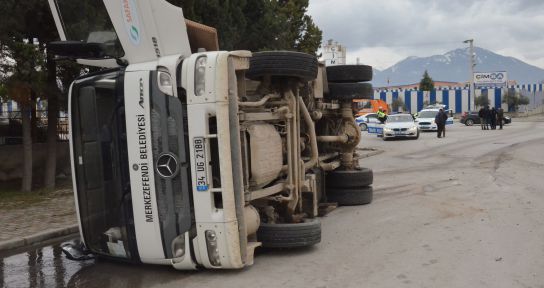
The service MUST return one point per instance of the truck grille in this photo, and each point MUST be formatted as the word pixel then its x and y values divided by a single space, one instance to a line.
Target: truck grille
pixel 172 192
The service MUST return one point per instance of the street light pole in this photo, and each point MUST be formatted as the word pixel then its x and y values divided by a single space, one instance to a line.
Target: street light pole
pixel 471 69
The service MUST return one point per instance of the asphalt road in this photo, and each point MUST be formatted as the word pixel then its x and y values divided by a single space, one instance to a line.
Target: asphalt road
pixel 463 211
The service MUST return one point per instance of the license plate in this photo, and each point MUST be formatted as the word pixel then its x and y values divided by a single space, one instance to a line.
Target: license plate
pixel 200 164
pixel 399 133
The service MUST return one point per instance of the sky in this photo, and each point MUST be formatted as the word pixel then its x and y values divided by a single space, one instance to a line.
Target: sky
pixel 381 33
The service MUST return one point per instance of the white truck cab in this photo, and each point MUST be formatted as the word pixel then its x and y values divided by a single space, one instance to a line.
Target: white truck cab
pixel 136 161
pixel 176 162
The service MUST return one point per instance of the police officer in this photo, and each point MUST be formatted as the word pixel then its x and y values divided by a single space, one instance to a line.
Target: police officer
pixel 381 115
pixel 487 117
pixel 500 116
pixel 481 115
pixel 440 120
pixel 493 118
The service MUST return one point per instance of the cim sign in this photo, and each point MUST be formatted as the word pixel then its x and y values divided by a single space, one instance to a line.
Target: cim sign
pixel 334 54
pixel 490 79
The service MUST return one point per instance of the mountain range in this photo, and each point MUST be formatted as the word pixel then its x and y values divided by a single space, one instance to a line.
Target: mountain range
pixel 453 67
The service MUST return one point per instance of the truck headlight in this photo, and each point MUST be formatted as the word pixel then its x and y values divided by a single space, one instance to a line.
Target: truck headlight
pixel 213 250
pixel 178 246
pixel 164 81
pixel 200 75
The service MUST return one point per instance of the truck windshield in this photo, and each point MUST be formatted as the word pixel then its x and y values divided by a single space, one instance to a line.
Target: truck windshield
pixel 101 172
pixel 88 21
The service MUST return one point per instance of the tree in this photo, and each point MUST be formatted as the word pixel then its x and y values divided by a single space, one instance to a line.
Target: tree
pixel 3 92
pixel 513 99
pixel 226 16
pixel 258 24
pixel 24 40
pixel 24 84
pixel 398 103
pixel 482 100
pixel 524 100
pixel 426 83
pixel 300 32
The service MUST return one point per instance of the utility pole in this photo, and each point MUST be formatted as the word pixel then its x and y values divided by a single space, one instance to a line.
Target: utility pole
pixel 471 69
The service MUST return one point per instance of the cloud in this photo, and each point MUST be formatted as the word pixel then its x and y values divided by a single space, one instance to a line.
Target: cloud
pixel 384 32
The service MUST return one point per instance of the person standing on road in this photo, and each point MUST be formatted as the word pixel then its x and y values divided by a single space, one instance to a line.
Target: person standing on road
pixel 493 118
pixel 482 117
pixel 444 120
pixel 487 117
pixel 440 123
pixel 500 116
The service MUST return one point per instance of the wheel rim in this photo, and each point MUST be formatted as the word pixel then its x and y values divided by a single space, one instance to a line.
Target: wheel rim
pixel 363 126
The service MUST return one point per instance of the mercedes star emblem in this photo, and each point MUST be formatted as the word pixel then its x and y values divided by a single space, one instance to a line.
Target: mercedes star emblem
pixel 167 166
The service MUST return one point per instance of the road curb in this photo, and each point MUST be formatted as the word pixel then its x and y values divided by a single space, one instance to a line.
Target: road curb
pixel 367 152
pixel 38 237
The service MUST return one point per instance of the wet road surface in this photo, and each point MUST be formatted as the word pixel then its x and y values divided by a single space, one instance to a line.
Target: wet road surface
pixel 48 267
pixel 464 211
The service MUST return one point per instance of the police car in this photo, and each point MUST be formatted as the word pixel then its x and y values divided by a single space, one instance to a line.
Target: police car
pixel 364 119
pixel 425 117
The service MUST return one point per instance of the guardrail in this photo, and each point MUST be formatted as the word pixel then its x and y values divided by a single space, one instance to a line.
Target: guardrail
pixel 11 128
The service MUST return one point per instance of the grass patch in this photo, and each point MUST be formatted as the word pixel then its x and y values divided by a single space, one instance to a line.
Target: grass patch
pixel 12 198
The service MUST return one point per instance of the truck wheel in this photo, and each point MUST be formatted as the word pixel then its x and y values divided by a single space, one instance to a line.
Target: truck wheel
pixel 282 64
pixel 349 91
pixel 350 196
pixel 349 73
pixel 291 235
pixel 350 178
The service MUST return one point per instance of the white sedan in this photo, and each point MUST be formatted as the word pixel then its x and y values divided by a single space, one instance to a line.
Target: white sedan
pixel 400 126
pixel 363 120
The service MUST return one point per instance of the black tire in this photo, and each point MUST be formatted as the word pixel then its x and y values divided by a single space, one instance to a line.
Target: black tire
pixel 363 126
pixel 293 235
pixel 350 91
pixel 351 196
pixel 358 177
pixel 469 122
pixel 349 73
pixel 282 64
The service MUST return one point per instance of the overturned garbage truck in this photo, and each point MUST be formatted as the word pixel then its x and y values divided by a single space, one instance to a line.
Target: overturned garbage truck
pixel 188 156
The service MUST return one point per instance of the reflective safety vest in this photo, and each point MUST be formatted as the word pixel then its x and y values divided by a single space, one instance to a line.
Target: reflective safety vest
pixel 381 114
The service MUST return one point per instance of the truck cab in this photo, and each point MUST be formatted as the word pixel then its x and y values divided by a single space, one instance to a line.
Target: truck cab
pixel 176 160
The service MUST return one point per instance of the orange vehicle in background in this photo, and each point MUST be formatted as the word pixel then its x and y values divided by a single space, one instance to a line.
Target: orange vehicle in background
pixel 364 106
